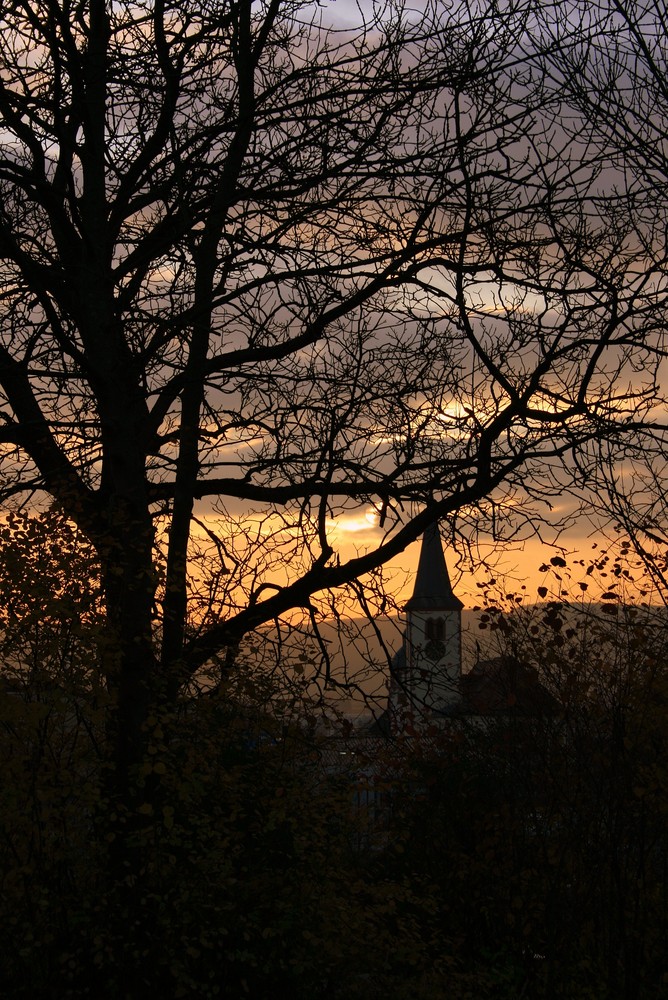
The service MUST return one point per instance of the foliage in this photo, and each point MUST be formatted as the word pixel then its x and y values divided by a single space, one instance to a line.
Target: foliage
pixel 51 605
pixel 526 857
pixel 547 837
pixel 251 881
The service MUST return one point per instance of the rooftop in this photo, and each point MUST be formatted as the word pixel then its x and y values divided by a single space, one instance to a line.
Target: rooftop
pixel 433 590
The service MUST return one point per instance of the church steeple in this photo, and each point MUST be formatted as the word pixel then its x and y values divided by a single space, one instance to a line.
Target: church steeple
pixel 433 590
pixel 426 682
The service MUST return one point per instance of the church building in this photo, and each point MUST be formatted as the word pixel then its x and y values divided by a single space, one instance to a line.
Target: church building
pixel 427 686
pixel 425 682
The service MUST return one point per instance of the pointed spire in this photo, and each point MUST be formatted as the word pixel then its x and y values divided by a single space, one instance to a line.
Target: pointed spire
pixel 433 590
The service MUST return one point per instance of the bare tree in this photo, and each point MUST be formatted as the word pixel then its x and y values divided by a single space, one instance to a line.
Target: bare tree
pixel 255 262
pixel 607 63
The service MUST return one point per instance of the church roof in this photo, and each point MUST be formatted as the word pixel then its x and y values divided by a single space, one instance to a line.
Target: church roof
pixel 505 686
pixel 433 590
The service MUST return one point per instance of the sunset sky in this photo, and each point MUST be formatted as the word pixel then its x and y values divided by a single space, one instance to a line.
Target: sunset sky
pixel 513 564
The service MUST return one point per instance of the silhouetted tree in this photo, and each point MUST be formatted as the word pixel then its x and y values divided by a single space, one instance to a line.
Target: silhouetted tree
pixel 252 261
pixel 608 64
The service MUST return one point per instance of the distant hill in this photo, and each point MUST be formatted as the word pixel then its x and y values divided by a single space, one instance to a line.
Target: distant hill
pixel 359 651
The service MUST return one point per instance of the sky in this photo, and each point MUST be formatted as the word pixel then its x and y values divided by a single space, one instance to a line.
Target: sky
pixel 517 564
pixel 513 566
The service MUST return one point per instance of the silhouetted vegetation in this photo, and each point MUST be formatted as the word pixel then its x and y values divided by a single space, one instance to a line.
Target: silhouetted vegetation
pixel 506 858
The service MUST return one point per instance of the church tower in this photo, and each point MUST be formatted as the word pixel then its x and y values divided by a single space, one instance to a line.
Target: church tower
pixel 427 671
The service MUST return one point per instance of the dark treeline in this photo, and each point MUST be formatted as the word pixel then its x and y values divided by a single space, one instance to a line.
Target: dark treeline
pixel 510 857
